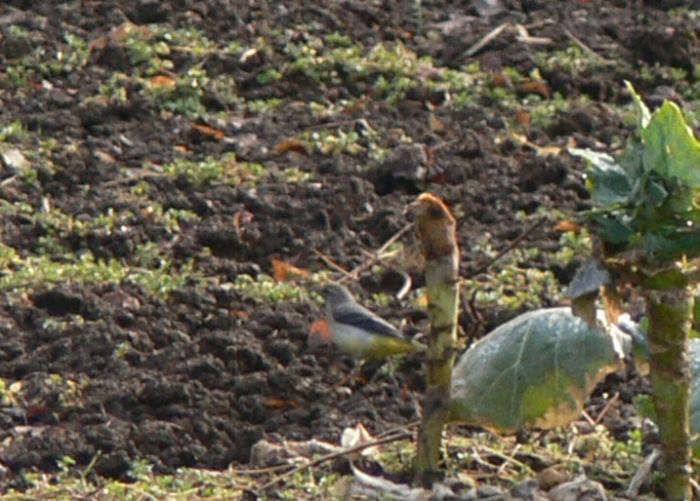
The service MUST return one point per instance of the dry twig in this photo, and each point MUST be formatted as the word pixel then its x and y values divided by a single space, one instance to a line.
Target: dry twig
pixel 585 48
pixel 486 39
pixel 333 455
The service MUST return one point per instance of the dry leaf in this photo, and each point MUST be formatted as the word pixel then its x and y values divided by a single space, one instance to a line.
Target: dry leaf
pixel 542 151
pixel 566 226
pixel 612 303
pixel 354 437
pixel 522 117
pixel 436 124
pixel 423 299
pixel 291 144
pixel 297 105
pixel 535 87
pixel 280 403
pixel 283 271
pixel 209 131
pixel 162 81
pixel 501 80
pixel 242 218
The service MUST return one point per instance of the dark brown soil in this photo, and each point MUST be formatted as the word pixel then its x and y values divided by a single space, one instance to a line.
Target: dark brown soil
pixel 196 378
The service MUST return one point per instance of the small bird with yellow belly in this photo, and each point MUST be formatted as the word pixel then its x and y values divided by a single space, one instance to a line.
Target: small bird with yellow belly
pixel 357 331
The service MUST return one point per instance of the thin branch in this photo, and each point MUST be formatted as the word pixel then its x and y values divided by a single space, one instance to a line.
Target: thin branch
pixel 262 471
pixel 585 48
pixel 333 455
pixel 607 407
pixel 525 37
pixel 486 39
pixel 643 474
pixel 510 459
pixel 378 253
pixel 588 418
pixel 332 264
pixel 504 457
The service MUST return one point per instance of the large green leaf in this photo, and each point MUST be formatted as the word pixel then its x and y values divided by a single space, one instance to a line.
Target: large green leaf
pixel 611 229
pixel 535 371
pixel 609 182
pixel 643 115
pixel 667 246
pixel 670 148
pixel 649 199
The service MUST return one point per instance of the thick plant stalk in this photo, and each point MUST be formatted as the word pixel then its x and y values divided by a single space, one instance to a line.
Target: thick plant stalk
pixel 670 316
pixel 436 229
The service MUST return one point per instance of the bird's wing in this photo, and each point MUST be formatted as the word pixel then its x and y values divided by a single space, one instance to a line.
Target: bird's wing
pixel 362 318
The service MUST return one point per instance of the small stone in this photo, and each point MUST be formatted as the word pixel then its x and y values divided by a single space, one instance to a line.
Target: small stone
pixel 551 477
pixel 14 160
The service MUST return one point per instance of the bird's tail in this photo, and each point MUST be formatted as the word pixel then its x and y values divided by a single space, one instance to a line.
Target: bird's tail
pixel 386 346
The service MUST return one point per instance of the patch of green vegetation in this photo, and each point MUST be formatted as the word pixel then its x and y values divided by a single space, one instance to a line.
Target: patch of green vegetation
pixel 307 484
pixel 71 482
pixel 463 85
pixel 159 277
pixel 113 89
pixel 143 50
pixel 64 58
pixel 325 62
pixel 491 458
pixel 332 143
pixel 59 224
pixel 392 68
pixel 14 136
pixel 294 175
pixel 257 106
pixel 190 40
pixel 13 132
pixel 573 244
pixel 653 73
pixel 544 111
pixel 70 391
pixel 150 54
pixel 181 95
pixel 512 283
pixel 594 453
pixel 265 288
pixel 224 169
pixel 171 219
pixel 69 58
pixel 10 393
pixel 572 60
